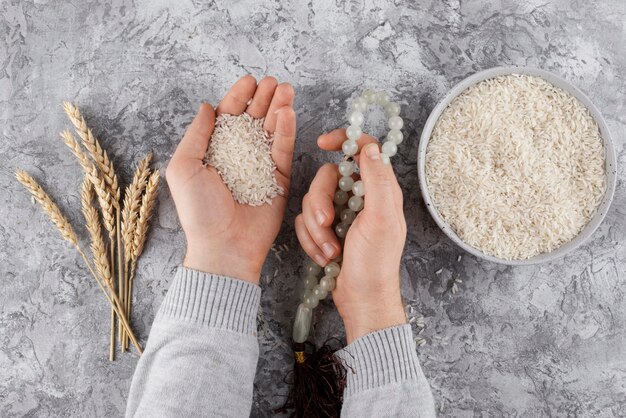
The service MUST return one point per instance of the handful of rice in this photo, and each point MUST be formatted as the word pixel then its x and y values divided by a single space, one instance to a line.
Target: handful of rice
pixel 516 166
pixel 240 151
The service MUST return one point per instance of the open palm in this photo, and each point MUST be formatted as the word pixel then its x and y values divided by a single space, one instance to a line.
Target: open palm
pixel 223 236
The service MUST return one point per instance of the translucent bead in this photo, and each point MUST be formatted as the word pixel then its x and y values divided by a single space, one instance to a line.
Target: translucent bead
pixel 359 104
pixel 341 230
pixel 345 183
pixel 320 293
pixel 385 159
pixel 395 122
pixel 346 168
pixel 392 109
pixel 332 269
pixel 302 324
pixel 358 188
pixel 382 98
pixel 338 259
pixel 312 269
pixel 354 132
pixel 347 216
pixel 349 147
pixel 309 300
pixel 389 148
pixel 341 197
pixel 356 118
pixel 309 282
pixel 368 95
pixel 355 203
pixel 395 136
pixel 327 283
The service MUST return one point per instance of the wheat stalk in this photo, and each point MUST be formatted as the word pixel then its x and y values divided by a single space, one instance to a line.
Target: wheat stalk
pixel 97 153
pixel 107 171
pixel 132 203
pixel 106 208
pixel 141 229
pixel 48 205
pixel 130 213
pixel 98 248
pixel 85 163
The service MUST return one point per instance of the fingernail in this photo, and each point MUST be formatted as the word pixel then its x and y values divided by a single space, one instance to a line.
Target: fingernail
pixel 372 152
pixel 329 249
pixel 320 260
pixel 320 217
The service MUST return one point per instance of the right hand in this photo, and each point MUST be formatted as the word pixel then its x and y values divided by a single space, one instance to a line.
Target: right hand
pixel 367 293
pixel 223 236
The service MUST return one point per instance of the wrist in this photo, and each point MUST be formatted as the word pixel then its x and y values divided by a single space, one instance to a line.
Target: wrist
pixel 363 320
pixel 223 263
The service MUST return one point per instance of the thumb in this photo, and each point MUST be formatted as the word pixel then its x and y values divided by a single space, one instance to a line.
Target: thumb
pixel 194 144
pixel 378 179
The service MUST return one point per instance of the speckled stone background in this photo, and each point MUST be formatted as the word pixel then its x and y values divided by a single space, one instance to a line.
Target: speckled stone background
pixel 544 340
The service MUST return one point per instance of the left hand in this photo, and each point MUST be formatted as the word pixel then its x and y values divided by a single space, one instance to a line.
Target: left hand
pixel 223 236
pixel 367 294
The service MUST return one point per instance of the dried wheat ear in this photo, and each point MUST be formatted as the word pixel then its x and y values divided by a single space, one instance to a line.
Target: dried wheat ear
pixel 114 255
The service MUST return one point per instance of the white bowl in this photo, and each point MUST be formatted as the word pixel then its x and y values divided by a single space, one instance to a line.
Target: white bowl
pixel 610 163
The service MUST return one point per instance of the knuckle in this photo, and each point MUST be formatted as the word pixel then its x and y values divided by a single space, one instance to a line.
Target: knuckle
pixel 383 180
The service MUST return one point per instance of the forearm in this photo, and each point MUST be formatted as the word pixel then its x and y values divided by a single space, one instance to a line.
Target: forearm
pixel 202 352
pixel 384 377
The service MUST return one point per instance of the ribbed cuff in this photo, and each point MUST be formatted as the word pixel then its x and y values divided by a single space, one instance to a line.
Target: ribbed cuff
pixel 380 358
pixel 213 301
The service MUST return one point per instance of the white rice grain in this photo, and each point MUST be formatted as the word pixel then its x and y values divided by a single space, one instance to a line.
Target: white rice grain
pixel 516 166
pixel 240 151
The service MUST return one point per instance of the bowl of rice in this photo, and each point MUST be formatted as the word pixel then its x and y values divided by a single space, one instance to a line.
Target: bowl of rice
pixel 516 166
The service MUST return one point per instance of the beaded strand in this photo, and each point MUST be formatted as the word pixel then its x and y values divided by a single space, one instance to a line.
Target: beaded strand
pixel 315 291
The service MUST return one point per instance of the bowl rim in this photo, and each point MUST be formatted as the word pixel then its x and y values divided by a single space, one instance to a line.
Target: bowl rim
pixel 610 162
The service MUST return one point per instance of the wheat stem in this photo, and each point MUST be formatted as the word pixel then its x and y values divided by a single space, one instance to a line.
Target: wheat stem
pixel 114 301
pixel 130 213
pixel 98 248
pixel 141 229
pixel 120 276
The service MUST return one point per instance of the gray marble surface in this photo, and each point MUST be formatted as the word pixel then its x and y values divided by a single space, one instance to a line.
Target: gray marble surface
pixel 544 340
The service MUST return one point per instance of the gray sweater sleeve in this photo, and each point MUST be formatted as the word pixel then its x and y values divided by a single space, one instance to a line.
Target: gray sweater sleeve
pixel 202 352
pixel 384 377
